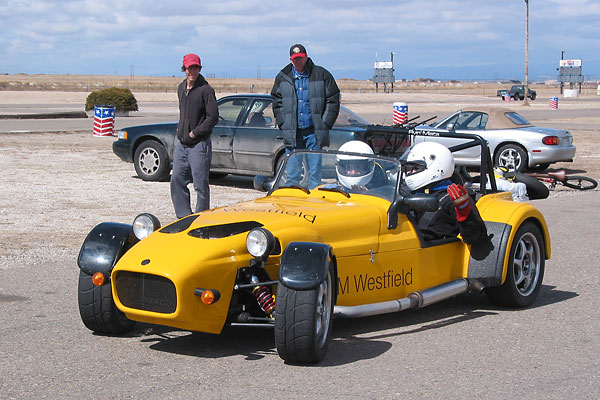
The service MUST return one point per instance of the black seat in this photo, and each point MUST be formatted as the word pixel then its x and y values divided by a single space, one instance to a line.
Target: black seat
pixel 257 120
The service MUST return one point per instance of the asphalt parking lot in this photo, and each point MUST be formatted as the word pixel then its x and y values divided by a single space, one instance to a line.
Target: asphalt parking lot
pixel 55 186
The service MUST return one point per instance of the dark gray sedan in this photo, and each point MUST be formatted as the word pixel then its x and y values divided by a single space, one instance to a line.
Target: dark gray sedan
pixel 245 141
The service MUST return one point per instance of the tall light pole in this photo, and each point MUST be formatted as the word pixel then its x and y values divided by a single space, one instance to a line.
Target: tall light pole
pixel 526 103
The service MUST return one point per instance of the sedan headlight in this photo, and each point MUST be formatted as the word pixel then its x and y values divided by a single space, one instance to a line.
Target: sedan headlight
pixel 260 243
pixel 122 135
pixel 144 225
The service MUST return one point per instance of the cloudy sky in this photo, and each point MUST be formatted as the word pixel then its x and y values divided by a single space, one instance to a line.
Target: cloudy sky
pixel 440 39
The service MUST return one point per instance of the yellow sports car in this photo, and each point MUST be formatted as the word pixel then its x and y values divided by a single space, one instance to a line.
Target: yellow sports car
pixel 305 253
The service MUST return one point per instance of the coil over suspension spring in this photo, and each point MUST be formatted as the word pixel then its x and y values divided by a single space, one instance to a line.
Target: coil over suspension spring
pixel 265 299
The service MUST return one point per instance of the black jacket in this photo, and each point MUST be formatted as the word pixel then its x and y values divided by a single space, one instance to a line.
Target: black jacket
pixel 443 222
pixel 198 111
pixel 324 97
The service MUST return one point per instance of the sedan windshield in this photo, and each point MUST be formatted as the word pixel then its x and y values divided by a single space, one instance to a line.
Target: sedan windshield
pixel 347 117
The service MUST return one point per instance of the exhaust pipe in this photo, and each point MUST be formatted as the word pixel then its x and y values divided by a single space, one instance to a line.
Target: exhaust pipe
pixel 414 300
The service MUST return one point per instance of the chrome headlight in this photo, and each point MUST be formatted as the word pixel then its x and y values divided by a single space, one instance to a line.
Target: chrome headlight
pixel 144 224
pixel 260 243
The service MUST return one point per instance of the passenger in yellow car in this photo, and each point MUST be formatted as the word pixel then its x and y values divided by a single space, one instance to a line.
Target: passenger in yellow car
pixel 433 166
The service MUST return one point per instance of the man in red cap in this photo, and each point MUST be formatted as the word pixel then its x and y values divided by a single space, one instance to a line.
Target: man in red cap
pixel 198 114
pixel 306 103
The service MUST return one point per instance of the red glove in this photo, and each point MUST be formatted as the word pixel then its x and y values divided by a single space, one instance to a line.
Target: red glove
pixel 460 198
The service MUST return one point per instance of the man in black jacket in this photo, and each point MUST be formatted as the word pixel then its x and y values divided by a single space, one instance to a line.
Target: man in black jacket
pixel 306 103
pixel 198 114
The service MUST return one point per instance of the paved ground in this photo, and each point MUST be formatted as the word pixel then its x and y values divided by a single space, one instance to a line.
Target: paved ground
pixel 54 187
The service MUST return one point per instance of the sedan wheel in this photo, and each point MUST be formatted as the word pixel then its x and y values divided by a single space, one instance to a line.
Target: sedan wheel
pixel 512 157
pixel 151 161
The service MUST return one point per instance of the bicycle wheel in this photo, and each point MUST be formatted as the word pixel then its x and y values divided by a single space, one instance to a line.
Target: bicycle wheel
pixel 579 182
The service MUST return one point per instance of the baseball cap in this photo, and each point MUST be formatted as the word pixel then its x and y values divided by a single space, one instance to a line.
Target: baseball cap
pixel 191 59
pixel 297 50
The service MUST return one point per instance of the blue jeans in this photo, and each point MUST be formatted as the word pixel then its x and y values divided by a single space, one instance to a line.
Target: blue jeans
pixel 191 164
pixel 313 162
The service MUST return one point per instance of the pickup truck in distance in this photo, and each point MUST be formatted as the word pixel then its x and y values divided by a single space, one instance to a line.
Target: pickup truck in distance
pixel 517 92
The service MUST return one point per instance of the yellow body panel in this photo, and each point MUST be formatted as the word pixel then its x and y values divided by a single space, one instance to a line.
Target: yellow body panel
pixel 374 264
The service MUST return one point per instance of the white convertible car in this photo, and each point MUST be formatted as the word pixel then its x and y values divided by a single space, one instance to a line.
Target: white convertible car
pixel 514 143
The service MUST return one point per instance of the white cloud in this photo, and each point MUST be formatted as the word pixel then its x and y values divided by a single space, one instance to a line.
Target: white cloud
pixel 236 38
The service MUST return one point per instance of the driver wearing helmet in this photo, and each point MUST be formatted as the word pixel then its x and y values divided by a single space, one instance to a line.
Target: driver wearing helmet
pixel 432 166
pixel 355 172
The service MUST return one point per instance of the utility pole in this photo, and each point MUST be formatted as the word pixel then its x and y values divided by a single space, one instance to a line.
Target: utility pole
pixel 392 60
pixel 526 103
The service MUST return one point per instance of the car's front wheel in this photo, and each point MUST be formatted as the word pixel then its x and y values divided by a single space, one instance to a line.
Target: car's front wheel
pixel 97 308
pixel 512 157
pixel 525 269
pixel 151 161
pixel 303 321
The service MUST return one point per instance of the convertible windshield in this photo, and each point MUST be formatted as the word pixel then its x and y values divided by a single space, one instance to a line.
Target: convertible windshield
pixel 346 173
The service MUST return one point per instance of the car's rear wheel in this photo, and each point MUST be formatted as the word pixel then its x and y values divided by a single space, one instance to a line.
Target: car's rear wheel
pixel 303 321
pixel 97 308
pixel 525 269
pixel 512 157
pixel 151 161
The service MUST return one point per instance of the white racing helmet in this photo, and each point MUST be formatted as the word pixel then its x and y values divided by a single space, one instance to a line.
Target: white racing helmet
pixel 431 163
pixel 354 170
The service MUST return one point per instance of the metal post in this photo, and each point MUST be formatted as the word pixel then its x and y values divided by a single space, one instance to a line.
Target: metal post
pixel 562 84
pixel 527 56
pixel 392 59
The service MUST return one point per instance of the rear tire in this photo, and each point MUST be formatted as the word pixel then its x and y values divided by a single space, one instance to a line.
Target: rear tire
pixel 98 310
pixel 525 269
pixel 512 157
pixel 303 321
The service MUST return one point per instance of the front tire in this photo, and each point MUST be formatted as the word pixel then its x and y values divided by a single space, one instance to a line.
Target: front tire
pixel 303 321
pixel 151 161
pixel 512 157
pixel 525 273
pixel 98 310
pixel 580 182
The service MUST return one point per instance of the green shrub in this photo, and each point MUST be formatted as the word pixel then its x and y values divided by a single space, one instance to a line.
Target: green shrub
pixel 122 99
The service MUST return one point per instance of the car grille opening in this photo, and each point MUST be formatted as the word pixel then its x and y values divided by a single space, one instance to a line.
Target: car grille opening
pixel 146 292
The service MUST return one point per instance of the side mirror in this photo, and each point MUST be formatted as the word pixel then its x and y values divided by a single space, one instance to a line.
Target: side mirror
pixel 263 183
pixel 450 126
